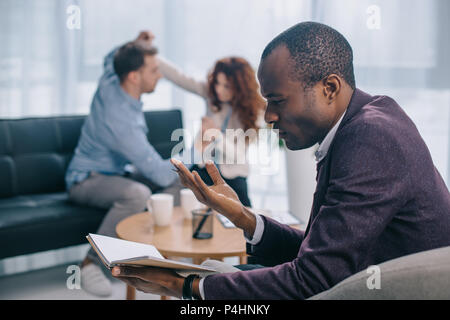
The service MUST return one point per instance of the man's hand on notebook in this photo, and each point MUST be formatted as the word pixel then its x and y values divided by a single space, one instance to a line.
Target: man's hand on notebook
pixel 220 196
pixel 163 282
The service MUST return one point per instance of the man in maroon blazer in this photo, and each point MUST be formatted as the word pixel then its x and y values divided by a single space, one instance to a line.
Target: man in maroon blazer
pixel 378 194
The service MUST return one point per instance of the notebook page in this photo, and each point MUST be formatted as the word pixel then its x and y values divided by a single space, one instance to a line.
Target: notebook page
pixel 116 249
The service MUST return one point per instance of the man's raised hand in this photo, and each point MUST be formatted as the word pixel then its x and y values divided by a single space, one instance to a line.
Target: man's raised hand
pixel 220 196
pixel 145 38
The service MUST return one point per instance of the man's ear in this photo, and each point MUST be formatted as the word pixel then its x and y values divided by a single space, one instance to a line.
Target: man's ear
pixel 133 77
pixel 331 87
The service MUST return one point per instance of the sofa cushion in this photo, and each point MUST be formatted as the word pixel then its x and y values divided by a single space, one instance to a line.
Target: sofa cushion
pixel 161 125
pixel 7 176
pixel 423 275
pixel 40 173
pixel 33 136
pixel 69 131
pixel 42 222
pixel 34 154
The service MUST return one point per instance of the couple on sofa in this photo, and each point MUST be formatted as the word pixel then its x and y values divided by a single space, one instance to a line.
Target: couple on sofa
pixel 113 137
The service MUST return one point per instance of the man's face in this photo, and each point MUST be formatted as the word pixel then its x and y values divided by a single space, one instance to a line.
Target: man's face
pixel 149 74
pixel 302 116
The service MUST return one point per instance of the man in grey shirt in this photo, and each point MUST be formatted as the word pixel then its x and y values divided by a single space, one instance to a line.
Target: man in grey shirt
pixel 114 136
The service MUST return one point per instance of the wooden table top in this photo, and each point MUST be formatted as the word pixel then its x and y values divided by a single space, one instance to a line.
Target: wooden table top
pixel 176 239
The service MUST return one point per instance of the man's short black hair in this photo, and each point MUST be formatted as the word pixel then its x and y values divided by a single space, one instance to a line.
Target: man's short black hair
pixel 130 57
pixel 317 51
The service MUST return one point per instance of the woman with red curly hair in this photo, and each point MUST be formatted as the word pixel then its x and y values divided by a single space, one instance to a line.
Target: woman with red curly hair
pixel 234 102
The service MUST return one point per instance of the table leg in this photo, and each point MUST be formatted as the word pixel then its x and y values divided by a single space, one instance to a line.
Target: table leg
pixel 131 293
pixel 243 259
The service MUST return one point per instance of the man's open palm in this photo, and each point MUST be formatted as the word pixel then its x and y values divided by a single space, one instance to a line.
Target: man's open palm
pixel 220 196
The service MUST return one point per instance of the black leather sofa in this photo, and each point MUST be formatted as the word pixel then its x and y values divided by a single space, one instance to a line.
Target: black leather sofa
pixel 35 214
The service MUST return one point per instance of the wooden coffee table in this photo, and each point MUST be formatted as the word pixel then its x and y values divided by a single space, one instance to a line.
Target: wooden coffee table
pixel 176 239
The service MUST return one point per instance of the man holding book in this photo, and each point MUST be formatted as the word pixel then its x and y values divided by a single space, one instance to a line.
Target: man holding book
pixel 378 196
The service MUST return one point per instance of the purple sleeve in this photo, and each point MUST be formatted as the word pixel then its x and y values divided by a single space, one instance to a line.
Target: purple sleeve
pixel 368 183
pixel 279 243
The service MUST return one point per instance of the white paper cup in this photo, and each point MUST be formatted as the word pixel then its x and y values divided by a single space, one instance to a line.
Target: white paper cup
pixel 188 202
pixel 160 205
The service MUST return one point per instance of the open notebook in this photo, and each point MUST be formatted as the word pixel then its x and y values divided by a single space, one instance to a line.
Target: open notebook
pixel 115 252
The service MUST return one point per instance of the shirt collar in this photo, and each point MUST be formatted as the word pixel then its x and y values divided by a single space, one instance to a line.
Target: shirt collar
pixel 136 104
pixel 325 145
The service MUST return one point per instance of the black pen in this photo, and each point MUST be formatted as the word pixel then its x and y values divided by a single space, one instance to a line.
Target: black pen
pixel 200 225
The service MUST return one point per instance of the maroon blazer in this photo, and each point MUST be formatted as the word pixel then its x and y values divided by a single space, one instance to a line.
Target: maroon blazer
pixel 378 197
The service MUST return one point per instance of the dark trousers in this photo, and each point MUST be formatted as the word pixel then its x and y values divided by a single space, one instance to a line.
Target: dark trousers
pixel 238 184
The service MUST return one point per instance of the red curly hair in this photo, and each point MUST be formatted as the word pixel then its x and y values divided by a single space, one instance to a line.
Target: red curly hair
pixel 247 100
